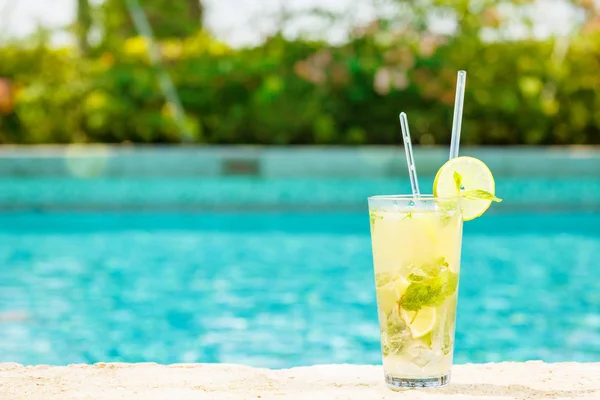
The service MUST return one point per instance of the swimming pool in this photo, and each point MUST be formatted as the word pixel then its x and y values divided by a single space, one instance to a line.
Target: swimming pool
pixel 284 281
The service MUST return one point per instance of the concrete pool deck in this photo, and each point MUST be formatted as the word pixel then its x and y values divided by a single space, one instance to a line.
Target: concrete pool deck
pixel 502 381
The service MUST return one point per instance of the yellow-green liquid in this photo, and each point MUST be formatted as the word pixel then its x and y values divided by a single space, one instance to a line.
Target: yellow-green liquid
pixel 416 259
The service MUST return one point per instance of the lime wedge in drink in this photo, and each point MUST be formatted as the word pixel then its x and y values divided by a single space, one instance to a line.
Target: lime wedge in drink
pixel 419 322
pixel 389 294
pixel 470 179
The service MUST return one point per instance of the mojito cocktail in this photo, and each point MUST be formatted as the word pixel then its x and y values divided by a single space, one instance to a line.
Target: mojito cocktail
pixel 416 243
pixel 416 255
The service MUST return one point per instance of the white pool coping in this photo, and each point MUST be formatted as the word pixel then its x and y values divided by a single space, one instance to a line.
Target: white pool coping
pixel 243 178
pixel 501 381
pixel 290 161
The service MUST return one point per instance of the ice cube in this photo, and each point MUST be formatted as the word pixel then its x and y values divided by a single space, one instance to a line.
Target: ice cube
pixel 421 355
pixel 393 344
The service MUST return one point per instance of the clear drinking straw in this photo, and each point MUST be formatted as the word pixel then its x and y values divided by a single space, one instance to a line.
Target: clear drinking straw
pixel 412 170
pixel 459 101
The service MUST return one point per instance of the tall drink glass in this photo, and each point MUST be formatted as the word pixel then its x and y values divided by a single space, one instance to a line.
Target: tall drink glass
pixel 416 256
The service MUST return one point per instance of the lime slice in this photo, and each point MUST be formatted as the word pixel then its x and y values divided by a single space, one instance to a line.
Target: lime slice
pixel 472 180
pixel 419 322
pixel 389 294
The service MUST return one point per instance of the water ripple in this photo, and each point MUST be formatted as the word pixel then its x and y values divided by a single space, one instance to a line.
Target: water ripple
pixel 278 290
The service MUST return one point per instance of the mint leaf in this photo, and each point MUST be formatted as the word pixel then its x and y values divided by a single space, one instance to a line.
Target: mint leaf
pixel 480 195
pixel 373 217
pixel 408 216
pixel 446 218
pixel 458 181
pixel 432 270
pixel 450 284
pixel 428 270
pixel 421 294
pixel 415 277
pixel 442 261
pixel 429 291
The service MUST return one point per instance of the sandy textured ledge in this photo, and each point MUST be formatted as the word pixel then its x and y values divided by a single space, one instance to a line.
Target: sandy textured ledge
pixel 531 380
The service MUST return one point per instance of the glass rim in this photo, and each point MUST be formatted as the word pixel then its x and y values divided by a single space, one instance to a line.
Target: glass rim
pixel 411 197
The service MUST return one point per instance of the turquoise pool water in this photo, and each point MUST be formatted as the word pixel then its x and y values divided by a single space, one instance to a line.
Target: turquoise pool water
pixel 278 288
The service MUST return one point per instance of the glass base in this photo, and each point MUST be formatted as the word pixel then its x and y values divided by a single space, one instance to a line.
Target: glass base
pixel 411 383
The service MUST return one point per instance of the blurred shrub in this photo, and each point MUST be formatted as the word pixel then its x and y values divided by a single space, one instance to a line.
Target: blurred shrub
pixel 296 92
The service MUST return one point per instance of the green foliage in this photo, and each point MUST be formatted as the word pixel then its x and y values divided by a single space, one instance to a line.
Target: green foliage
pixel 304 92
pixel 168 18
pixel 83 24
